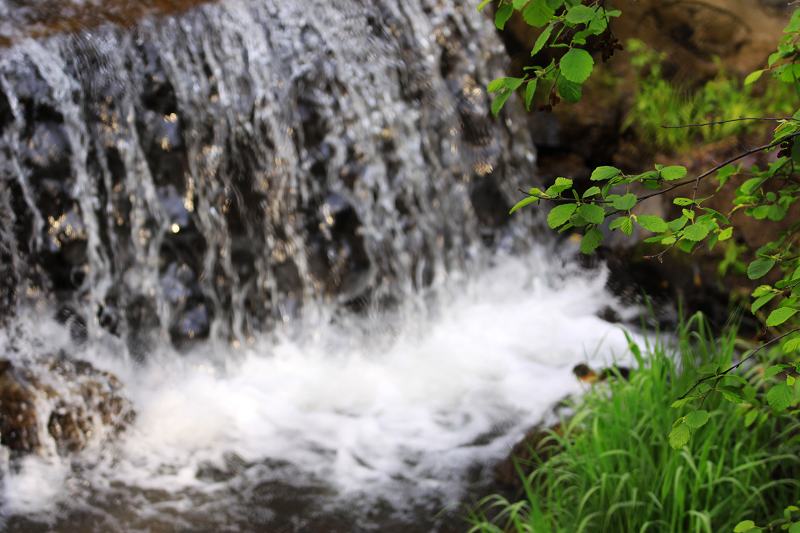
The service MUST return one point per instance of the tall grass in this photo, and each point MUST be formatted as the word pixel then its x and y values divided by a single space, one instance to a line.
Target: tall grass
pixel 616 471
pixel 659 102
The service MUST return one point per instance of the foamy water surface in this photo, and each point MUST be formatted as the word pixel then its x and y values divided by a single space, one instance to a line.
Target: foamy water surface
pixel 401 407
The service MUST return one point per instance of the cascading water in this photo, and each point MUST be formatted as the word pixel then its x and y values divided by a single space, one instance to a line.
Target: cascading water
pixel 275 223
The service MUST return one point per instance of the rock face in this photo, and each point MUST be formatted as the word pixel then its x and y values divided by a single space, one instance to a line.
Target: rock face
pixel 59 405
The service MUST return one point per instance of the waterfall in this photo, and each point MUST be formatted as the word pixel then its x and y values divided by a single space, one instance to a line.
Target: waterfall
pixel 209 174
pixel 282 225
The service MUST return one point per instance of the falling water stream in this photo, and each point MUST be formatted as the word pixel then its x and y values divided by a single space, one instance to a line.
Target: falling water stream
pixel 282 226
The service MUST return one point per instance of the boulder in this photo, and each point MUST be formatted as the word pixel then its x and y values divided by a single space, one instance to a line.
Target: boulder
pixel 58 404
pixel 19 422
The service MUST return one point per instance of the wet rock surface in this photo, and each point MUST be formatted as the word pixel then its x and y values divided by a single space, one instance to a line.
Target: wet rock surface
pixel 214 172
pixel 58 404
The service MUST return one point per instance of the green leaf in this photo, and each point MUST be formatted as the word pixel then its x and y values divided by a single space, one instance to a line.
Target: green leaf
pixel 677 404
pixel 652 223
pixel 780 315
pixel 726 234
pixel 560 185
pixel 537 13
pixel 774 370
pixel 794 528
pixel 761 301
pixel 593 214
pixel 591 191
pixel 499 102
pixel 483 4
pixel 750 417
pixel 542 40
pixel 753 77
pixel 696 232
pixel 580 14
pixel 760 267
pixel 590 241
pixel 625 202
pixel 576 65
pixel 522 203
pixel 744 526
pixel 780 396
pixel 761 290
pixel 560 214
pixel 530 91
pixel 597 26
pixel 605 173
pixel 678 224
pixel 502 15
pixel 683 202
pixel 697 419
pixel 519 4
pixel 731 394
pixel 679 436
pixel 624 224
pixel 792 345
pixel 496 84
pixel 507 83
pixel 674 172
pixel 569 91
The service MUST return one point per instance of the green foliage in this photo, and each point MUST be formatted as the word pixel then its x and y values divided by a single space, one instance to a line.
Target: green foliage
pixel 721 108
pixel 618 469
pixel 766 196
pixel 658 102
pixel 566 25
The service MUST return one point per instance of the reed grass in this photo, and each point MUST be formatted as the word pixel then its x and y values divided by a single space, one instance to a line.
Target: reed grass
pixel 616 471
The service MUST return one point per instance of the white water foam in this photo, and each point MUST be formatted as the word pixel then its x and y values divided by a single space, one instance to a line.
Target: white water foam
pixel 399 409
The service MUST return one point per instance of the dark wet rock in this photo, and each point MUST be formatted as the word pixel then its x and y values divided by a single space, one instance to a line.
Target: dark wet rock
pixel 9 277
pixel 19 423
pixel 638 278
pixel 6 116
pixel 76 400
pixel 491 206
pixel 142 319
pixel 66 253
pixel 47 151
pixel 587 374
pixel 193 324
pixel 338 255
pixel 70 427
pixel 232 466
pixel 536 447
pixel 74 322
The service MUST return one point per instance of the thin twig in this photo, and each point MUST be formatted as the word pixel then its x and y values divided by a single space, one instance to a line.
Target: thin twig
pixel 557 199
pixel 740 363
pixel 716 122
pixel 719 166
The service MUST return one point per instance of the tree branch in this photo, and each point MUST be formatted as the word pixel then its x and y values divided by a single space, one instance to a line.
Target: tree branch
pixel 717 122
pixel 719 166
pixel 740 363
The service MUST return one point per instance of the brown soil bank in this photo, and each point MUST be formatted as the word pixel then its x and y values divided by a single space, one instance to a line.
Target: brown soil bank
pixel 21 19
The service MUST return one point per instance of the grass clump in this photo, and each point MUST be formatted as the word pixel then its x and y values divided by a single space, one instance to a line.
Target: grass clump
pixel 617 472
pixel 659 102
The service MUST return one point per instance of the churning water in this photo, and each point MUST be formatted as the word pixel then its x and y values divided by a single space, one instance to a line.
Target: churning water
pixel 343 424
pixel 283 226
